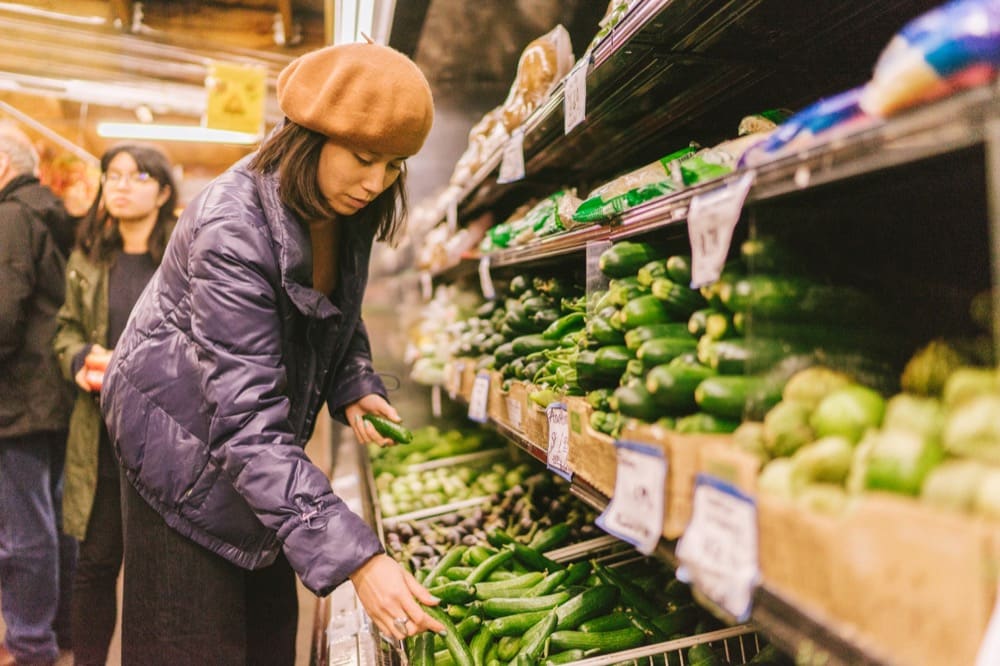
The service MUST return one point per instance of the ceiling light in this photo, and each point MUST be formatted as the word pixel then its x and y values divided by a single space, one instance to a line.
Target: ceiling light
pixel 159 132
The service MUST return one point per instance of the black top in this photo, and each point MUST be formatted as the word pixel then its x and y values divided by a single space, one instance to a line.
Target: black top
pixel 126 280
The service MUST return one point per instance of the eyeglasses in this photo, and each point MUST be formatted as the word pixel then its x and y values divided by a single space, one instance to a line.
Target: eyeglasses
pixel 133 179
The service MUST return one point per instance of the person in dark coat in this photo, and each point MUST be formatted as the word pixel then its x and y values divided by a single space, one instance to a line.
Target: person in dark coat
pixel 36 559
pixel 251 323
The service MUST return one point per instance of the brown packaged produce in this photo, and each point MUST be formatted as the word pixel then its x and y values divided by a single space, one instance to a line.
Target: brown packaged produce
pixel 543 63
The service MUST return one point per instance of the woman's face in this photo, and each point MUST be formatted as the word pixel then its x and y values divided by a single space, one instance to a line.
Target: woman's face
pixel 131 194
pixel 350 179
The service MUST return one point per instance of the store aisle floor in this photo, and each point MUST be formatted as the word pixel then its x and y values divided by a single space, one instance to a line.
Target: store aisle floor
pixel 318 450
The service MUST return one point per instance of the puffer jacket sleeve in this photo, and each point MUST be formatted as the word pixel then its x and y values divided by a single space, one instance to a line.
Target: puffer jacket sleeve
pixel 356 377
pixel 236 332
pixel 17 275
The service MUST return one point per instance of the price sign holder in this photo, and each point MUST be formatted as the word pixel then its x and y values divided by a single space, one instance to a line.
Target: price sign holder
pixel 436 401
pixel 514 413
pixel 718 551
pixel 557 458
pixel 455 385
pixel 712 217
pixel 480 397
pixel 635 512
pixel 575 95
pixel 512 161
pixel 989 649
pixel 485 279
pixel 451 215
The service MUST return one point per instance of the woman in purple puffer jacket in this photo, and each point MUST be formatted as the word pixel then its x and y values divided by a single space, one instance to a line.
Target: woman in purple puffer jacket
pixel 250 324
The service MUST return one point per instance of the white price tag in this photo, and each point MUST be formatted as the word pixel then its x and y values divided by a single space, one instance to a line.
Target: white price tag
pixel 426 285
pixel 989 649
pixel 514 413
pixel 455 385
pixel 635 512
pixel 485 280
pixel 451 214
pixel 480 396
pixel 718 551
pixel 436 401
pixel 575 95
pixel 557 458
pixel 512 162
pixel 712 217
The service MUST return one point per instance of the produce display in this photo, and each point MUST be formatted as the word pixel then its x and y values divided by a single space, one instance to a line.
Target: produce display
pixel 428 444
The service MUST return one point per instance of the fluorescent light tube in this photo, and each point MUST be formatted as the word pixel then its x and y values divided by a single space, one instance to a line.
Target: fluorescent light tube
pixel 158 132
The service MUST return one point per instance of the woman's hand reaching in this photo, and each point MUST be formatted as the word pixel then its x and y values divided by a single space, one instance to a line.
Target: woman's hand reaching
pixel 91 375
pixel 364 431
pixel 390 594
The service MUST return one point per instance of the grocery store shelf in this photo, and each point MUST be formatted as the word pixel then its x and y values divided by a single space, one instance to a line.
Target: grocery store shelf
pixel 917 135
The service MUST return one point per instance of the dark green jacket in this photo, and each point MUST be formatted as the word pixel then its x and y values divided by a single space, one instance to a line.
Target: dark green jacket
pixel 83 321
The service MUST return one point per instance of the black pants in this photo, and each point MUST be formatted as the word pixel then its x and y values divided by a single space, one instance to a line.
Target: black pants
pixel 95 604
pixel 185 605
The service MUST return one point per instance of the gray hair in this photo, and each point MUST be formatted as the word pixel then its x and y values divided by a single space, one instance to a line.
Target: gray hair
pixel 18 148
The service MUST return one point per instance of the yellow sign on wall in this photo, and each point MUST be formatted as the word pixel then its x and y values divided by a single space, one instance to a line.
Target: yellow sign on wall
pixel 236 97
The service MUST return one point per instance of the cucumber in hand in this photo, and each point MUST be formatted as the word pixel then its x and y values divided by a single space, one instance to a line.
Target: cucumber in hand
pixel 394 431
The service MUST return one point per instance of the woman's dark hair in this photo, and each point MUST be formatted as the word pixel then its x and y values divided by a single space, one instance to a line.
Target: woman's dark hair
pixel 294 152
pixel 99 238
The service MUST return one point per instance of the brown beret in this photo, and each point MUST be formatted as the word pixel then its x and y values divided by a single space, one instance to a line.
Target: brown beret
pixel 366 96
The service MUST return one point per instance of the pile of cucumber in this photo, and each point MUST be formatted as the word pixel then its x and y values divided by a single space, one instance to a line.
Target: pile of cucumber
pixel 506 603
pixel 430 443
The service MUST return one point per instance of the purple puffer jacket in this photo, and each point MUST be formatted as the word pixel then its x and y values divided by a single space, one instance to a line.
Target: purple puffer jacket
pixel 214 387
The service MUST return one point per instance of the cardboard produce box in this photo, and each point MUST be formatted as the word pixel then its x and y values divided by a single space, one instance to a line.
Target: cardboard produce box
pixel 911 583
pixel 594 460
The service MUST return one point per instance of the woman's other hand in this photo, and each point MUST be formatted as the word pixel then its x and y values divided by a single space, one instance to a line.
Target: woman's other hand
pixel 390 595
pixel 364 431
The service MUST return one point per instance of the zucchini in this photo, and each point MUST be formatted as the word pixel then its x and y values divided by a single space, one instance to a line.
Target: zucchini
pixel 394 431
pixel 601 330
pixel 740 356
pixel 565 325
pixel 604 641
pixel 527 344
pixel 501 606
pixel 698 321
pixel 663 350
pixel 798 299
pixel 654 269
pixel 719 325
pixel 634 401
pixel 766 254
pixel 644 311
pixel 516 624
pixel 671 387
pixel 730 396
pixel 612 360
pixel 457 648
pixel 588 604
pixel 679 268
pixel 700 422
pixel 626 258
pixel 636 336
pixel 679 300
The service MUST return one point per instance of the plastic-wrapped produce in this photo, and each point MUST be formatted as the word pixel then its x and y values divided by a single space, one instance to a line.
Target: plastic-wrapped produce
pixel 543 63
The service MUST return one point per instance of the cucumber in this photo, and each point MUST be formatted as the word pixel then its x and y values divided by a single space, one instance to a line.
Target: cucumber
pixel 486 567
pixel 551 538
pixel 576 573
pixel 455 573
pixel 479 645
pixel 534 639
pixel 457 648
pixel 663 350
pixel 506 587
pixel 455 592
pixel 729 396
pixel 680 621
pixel 421 649
pixel 604 641
pixel 532 559
pixel 547 585
pixel 516 624
pixel 469 625
pixel 626 258
pixel 394 431
pixel 636 336
pixel 500 606
pixel 588 604
pixel 610 622
pixel 508 648
pixel 449 559
pixel 566 657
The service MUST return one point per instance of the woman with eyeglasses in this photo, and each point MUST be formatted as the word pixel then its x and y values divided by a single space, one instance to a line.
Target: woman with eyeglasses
pixel 120 243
